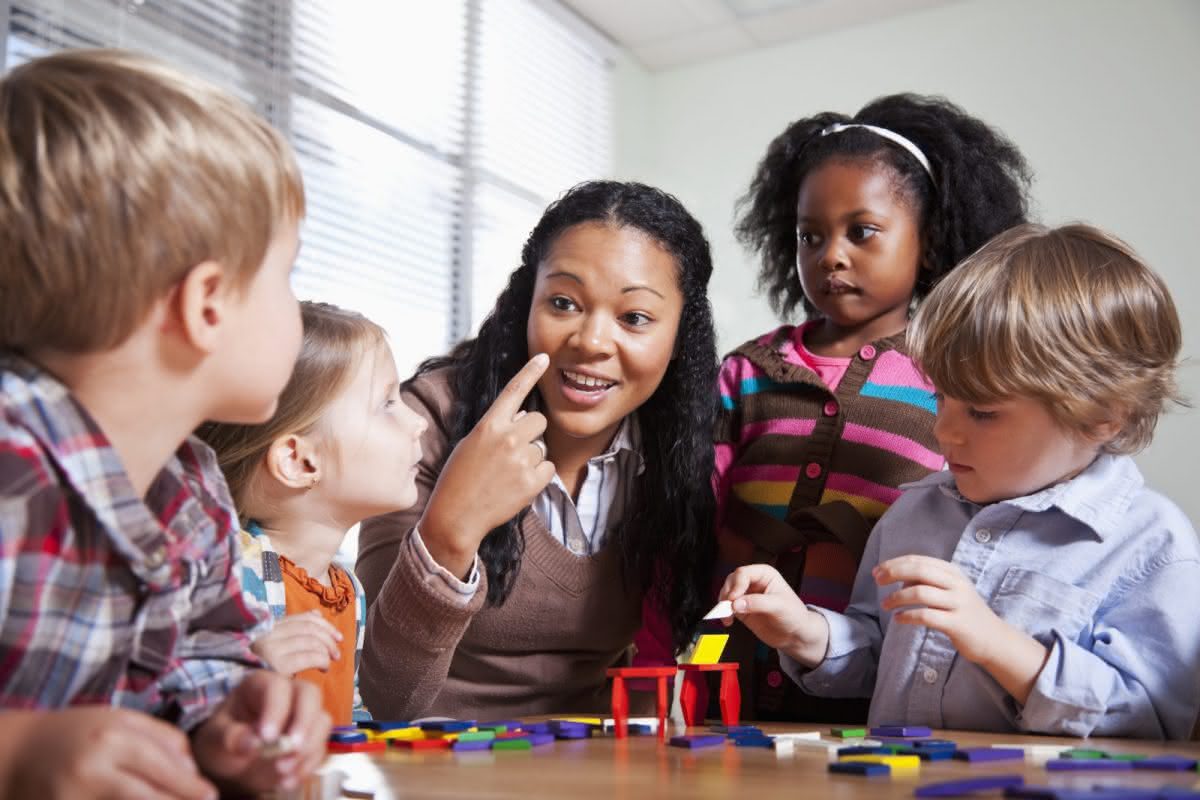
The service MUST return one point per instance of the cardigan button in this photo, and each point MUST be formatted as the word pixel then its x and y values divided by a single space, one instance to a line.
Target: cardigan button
pixel 813 470
pixel 774 679
pixel 831 408
pixel 867 352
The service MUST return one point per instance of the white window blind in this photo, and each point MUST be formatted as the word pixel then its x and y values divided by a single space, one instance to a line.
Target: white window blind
pixel 431 134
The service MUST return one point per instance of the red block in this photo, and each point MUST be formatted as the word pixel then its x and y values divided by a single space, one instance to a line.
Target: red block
pixel 355 747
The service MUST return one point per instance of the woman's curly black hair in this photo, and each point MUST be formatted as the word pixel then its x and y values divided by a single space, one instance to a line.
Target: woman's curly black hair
pixel 667 540
pixel 979 187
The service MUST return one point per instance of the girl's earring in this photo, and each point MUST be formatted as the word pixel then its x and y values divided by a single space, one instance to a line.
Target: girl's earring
pixel 315 480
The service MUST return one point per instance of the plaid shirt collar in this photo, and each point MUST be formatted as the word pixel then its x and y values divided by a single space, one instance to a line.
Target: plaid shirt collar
pixel 148 532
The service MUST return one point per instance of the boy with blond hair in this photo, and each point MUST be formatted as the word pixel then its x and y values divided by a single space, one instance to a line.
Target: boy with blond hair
pixel 1037 585
pixel 148 224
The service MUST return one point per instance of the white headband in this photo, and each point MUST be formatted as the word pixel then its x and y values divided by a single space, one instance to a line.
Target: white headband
pixel 886 134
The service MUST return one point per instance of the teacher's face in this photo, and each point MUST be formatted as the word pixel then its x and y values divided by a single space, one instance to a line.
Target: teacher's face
pixel 606 309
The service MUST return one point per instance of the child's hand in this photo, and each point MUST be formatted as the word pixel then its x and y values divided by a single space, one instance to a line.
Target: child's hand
pixel 763 600
pixel 299 642
pixel 98 751
pixel 947 601
pixel 266 706
pixel 493 473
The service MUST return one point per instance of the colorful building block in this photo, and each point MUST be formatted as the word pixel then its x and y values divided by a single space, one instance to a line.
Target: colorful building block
pixel 978 755
pixel 355 747
pixel 709 648
pixel 422 744
pixel 1087 764
pixel 849 733
pixel 696 741
pixel 860 768
pixel 907 731
pixel 897 763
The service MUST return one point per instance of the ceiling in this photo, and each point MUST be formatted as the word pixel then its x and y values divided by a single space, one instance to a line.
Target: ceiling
pixel 669 33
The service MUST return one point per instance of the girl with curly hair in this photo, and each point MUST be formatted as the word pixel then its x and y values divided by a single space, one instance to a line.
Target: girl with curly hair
pixel 855 219
pixel 543 521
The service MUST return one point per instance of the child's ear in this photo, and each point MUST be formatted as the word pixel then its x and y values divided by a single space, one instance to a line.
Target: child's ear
pixel 201 303
pixel 1104 432
pixel 294 462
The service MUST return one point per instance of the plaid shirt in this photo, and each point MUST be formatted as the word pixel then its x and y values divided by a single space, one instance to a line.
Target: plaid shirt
pixel 106 596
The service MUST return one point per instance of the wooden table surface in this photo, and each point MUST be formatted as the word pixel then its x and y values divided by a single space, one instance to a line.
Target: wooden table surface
pixel 641 767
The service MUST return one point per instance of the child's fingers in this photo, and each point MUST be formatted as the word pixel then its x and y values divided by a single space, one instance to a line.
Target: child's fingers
pixel 305 654
pixel 918 595
pixel 306 711
pixel 914 569
pixel 267 697
pixel 754 578
pixel 154 766
pixel 934 618
pixel 774 606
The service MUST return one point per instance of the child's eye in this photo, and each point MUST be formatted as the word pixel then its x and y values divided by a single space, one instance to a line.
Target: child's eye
pixel 806 238
pixel 637 319
pixel 561 303
pixel 975 413
pixel 860 233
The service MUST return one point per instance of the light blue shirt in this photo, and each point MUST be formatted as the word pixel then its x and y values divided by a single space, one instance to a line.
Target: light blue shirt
pixel 1101 570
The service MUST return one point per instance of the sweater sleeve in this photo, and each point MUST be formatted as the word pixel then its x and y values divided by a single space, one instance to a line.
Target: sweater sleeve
pixel 414 618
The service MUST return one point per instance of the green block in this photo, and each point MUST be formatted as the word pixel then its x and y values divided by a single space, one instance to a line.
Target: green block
pixel 1127 756
pixel 849 733
pixel 512 744
pixel 1083 753
pixel 496 730
pixel 476 736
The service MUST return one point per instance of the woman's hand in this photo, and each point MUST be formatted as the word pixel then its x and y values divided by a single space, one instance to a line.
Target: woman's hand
pixel 493 473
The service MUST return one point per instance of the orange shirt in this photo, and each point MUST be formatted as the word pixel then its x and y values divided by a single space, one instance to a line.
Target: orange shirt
pixel 336 604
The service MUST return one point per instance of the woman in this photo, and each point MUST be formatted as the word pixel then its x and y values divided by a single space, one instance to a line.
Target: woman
pixel 519 576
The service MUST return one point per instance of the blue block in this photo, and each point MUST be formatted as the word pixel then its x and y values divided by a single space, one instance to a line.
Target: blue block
pixel 639 729
pixel 1088 765
pixel 448 726
pixel 346 737
pixel 695 741
pixel 753 741
pixel 385 724
pixel 474 744
pixel 860 750
pixel 901 730
pixel 574 733
pixel 859 768
pixel 935 744
pixel 1166 763
pixel 538 727
pixel 985 783
pixel 927 753
pixel 977 755
pixel 735 730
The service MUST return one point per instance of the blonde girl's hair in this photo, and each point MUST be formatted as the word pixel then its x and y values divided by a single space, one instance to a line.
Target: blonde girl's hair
pixel 335 341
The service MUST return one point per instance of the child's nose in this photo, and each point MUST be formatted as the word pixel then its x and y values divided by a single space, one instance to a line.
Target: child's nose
pixel 833 256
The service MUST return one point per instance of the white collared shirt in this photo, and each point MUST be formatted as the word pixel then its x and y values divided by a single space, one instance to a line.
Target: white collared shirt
pixel 583 525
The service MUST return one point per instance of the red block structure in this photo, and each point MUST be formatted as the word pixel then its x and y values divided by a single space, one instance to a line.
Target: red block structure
pixel 694 695
pixel 620 696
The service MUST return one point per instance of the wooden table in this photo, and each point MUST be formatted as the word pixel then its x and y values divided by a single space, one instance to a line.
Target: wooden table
pixel 643 768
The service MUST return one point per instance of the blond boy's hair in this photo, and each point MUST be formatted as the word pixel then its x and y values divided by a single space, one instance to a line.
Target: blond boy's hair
pixel 1068 316
pixel 335 341
pixel 118 174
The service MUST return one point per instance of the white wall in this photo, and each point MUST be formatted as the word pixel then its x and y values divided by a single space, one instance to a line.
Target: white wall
pixel 1102 96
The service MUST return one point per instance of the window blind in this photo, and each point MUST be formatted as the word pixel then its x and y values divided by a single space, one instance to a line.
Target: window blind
pixel 430 135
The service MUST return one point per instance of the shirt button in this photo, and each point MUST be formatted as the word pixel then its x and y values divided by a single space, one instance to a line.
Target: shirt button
pixel 929 675
pixel 867 352
pixel 774 679
pixel 813 470
pixel 156 558
pixel 831 408
pixel 983 536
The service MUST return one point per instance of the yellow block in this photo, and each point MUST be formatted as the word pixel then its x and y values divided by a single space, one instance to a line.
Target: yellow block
pixel 597 721
pixel 895 762
pixel 399 734
pixel 709 648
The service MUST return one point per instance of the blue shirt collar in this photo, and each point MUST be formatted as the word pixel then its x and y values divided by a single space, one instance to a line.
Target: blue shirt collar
pixel 1098 497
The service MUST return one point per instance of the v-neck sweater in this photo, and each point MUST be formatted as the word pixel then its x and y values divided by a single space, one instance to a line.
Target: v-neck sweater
pixel 545 650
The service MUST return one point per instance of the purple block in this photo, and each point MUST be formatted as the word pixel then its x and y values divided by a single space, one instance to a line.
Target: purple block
pixel 1087 765
pixel 901 730
pixel 969 786
pixel 474 744
pixel 574 733
pixel 539 739
pixel 1168 792
pixel 1166 763
pixel 1099 793
pixel 859 750
pixel 977 755
pixel 859 768
pixel 538 727
pixel 735 730
pixel 694 741
pixel 639 729
pixel 753 741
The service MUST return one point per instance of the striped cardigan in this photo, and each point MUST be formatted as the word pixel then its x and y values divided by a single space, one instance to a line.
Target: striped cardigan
pixel 802 474
pixel 262 579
